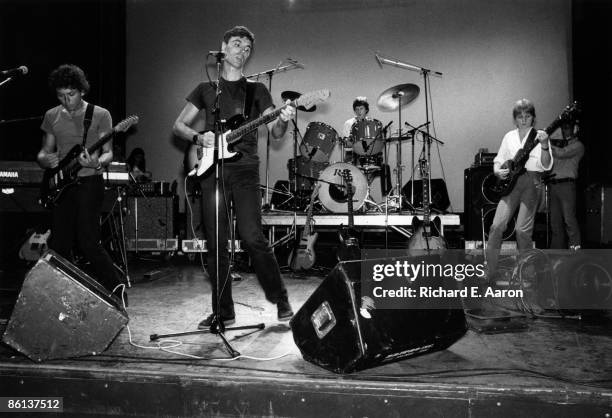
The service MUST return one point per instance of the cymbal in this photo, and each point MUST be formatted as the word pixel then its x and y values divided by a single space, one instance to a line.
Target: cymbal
pixel 389 100
pixel 292 95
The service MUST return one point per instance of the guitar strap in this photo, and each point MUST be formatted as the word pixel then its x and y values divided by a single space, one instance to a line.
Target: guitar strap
pixel 87 121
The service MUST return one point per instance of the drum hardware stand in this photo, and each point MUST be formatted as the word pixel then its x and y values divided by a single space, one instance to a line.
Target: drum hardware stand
pixel 217 326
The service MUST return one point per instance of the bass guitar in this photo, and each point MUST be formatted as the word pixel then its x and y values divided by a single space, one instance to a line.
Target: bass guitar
pixel 424 236
pixel 56 180
pixel 198 159
pixel 516 165
pixel 349 244
pixel 304 257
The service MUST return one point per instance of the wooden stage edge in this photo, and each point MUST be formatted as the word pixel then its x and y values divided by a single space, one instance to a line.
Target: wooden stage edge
pixel 557 368
pixel 129 392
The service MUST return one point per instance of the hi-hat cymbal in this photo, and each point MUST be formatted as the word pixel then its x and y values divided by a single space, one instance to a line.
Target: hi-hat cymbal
pixel 389 100
pixel 292 95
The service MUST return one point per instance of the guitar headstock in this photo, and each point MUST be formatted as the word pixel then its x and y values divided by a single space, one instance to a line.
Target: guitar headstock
pixel 126 123
pixel 570 114
pixel 308 100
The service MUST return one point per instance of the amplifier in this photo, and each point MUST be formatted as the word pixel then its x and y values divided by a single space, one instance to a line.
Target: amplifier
pixel 20 173
pixel 154 188
pixel 201 246
pixel 484 158
pixel 151 218
pixel 154 245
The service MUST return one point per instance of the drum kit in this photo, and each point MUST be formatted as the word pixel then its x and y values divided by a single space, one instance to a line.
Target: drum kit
pixel 364 155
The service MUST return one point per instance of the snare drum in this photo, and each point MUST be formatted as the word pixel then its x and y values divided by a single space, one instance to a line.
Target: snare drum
pixel 318 142
pixel 366 136
pixel 334 196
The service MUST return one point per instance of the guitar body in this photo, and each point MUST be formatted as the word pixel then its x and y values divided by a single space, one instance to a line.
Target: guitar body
pixel 34 247
pixel 199 160
pixel 304 258
pixel 56 180
pixel 423 238
pixel 503 187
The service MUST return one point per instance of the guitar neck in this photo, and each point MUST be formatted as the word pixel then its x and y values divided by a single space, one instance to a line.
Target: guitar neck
pixel 98 144
pixel 235 135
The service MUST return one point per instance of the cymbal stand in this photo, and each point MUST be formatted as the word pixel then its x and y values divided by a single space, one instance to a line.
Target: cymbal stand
pixel 397 190
pixel 269 73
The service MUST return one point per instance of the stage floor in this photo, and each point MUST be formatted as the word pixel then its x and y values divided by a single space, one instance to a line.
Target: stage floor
pixel 553 367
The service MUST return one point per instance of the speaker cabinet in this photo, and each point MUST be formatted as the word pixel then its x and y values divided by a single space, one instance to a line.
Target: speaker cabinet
pixel 331 330
pixel 151 217
pixel 438 194
pixel 480 203
pixel 62 312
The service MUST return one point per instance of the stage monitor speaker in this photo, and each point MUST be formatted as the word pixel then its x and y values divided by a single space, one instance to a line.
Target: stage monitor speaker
pixel 330 330
pixel 151 217
pixel 62 312
pixel 438 194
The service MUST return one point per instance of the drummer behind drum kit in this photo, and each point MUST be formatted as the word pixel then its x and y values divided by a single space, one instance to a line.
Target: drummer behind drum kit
pixel 363 155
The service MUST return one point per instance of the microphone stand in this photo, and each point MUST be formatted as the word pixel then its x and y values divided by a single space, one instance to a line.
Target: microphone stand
pixel 217 326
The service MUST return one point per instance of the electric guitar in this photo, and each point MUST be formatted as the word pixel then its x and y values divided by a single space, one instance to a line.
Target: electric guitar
pixel 349 244
pixel 304 257
pixel 423 238
pixel 56 180
pixel 200 159
pixel 516 165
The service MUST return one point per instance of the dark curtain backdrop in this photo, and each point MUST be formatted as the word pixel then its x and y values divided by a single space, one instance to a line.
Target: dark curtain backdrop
pixel 592 77
pixel 44 34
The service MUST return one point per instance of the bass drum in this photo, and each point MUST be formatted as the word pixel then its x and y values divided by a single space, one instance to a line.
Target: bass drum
pixel 334 196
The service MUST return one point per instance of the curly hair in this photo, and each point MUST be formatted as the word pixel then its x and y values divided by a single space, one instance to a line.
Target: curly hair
pixel 361 101
pixel 68 76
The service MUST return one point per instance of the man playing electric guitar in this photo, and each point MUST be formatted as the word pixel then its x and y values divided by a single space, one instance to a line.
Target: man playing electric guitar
pixel 76 215
pixel 239 177
pixel 525 194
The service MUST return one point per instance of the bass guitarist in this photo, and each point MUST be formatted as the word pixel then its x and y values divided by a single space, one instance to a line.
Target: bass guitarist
pixel 239 177
pixel 76 215
pixel 526 193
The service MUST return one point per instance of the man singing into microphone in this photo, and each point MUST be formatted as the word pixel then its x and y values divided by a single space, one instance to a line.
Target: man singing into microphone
pixel 239 178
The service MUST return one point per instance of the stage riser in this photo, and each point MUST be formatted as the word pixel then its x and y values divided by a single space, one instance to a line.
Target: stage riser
pixel 190 396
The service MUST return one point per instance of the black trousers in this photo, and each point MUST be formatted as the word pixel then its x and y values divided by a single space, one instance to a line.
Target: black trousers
pixel 76 223
pixel 240 184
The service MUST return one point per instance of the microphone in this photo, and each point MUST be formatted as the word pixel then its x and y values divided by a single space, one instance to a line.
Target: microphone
pixel 387 127
pixel 378 60
pixel 218 54
pixel 23 70
pixel 295 63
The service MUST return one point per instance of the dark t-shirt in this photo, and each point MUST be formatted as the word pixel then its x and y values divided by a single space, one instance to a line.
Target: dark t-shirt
pixel 232 102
